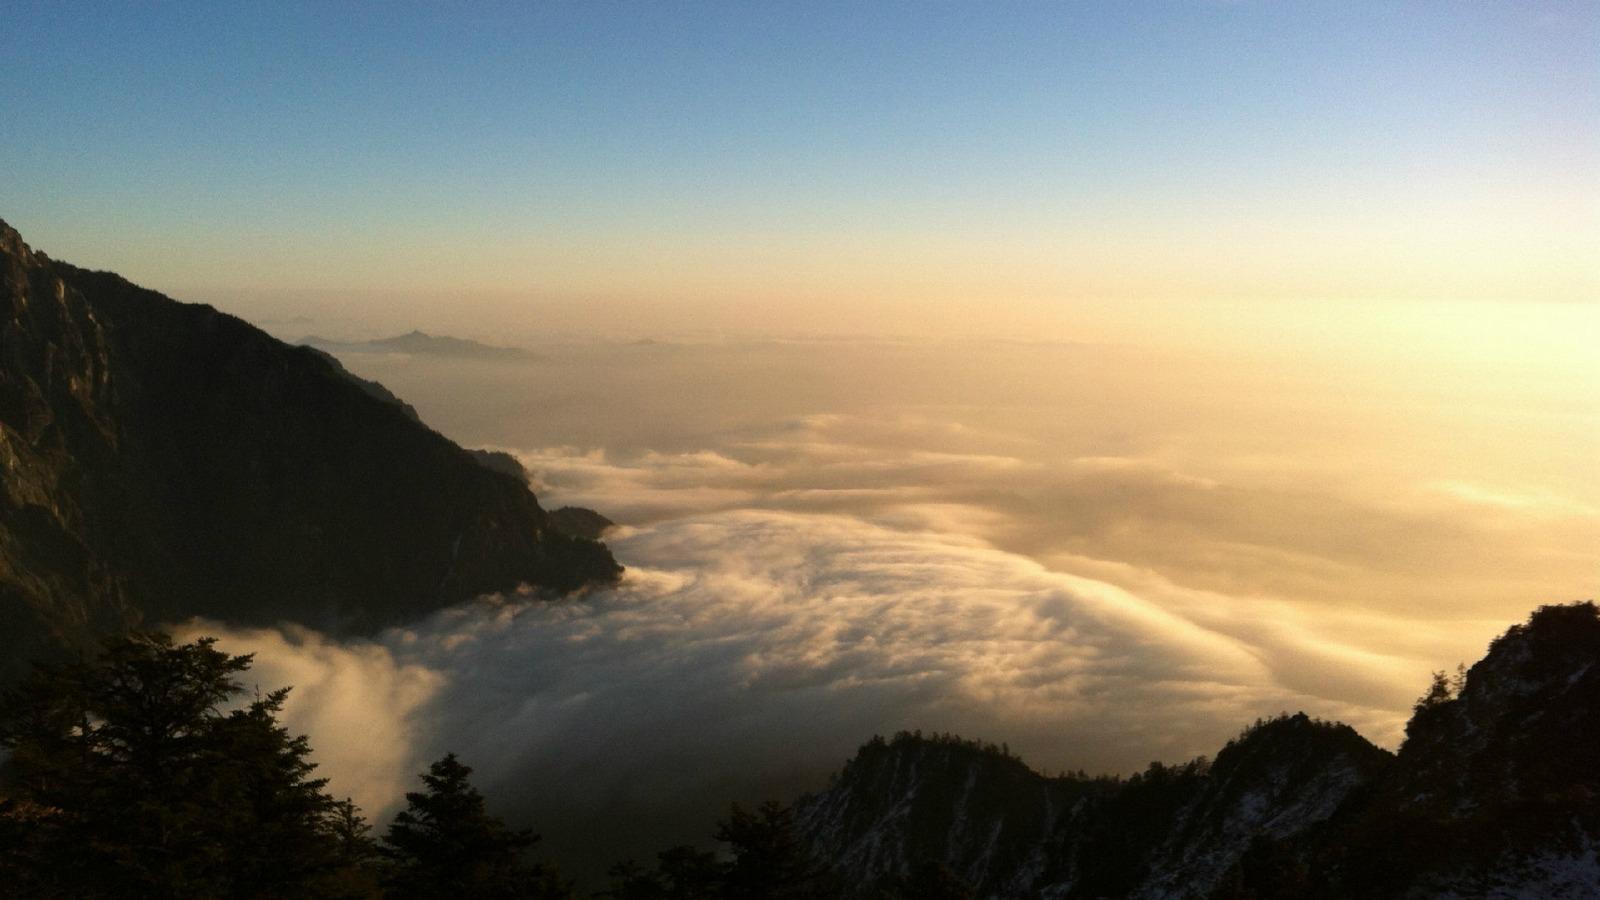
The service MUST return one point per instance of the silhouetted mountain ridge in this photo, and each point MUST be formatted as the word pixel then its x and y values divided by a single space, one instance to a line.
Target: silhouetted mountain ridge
pixel 419 343
pixel 1496 793
pixel 165 460
pixel 373 388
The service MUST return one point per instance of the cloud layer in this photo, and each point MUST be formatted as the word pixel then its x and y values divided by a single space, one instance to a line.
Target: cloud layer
pixel 1449 548
pixel 1096 556
pixel 746 656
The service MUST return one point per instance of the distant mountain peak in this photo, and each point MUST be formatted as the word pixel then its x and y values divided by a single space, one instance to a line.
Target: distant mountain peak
pixel 11 240
pixel 420 343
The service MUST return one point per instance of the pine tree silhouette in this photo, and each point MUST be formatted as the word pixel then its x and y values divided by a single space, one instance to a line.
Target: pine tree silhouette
pixel 128 779
pixel 445 845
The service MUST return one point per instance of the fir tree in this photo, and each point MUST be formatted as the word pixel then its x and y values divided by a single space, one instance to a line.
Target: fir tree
pixel 128 778
pixel 445 845
pixel 681 873
pixel 769 860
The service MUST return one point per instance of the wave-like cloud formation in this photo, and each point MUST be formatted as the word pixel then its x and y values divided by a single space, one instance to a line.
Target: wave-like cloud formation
pixel 745 656
pixel 1098 555
pixel 1343 591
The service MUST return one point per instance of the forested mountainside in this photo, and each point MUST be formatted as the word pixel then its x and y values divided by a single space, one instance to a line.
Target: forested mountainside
pixel 162 460
pixel 1495 793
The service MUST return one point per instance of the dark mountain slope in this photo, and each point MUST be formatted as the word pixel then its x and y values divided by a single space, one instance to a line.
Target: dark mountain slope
pixel 1281 778
pixel 373 388
pixel 1496 793
pixel 981 813
pixel 580 522
pixel 163 460
pixel 57 436
pixel 1170 831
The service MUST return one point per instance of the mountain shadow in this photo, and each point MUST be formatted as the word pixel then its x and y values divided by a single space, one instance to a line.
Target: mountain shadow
pixel 164 460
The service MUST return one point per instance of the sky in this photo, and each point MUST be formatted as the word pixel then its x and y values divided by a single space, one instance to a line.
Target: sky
pixel 879 167
pixel 1094 378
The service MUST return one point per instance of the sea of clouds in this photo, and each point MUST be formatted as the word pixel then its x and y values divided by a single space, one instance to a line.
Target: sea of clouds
pixel 745 655
pixel 1093 589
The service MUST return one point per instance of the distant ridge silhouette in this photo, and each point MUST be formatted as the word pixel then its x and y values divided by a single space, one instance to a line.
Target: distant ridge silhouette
pixel 418 343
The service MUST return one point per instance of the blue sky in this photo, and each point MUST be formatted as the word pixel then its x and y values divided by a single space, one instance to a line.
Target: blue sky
pixel 321 146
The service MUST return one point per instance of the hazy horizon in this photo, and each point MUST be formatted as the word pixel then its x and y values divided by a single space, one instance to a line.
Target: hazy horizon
pixel 784 166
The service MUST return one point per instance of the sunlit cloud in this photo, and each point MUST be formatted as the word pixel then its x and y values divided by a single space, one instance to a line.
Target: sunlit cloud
pixel 1538 503
pixel 1448 546
pixel 748 652
pixel 358 699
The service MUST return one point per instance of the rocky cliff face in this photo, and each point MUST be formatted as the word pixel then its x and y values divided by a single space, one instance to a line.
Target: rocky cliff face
pixel 1496 793
pixel 1171 831
pixel 974 809
pixel 1279 780
pixel 57 442
pixel 163 460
